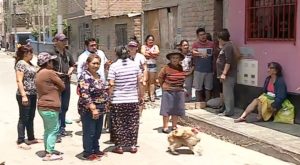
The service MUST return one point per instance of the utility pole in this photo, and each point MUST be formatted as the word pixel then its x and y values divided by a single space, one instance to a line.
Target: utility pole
pixel 43 19
pixel 15 26
pixel 59 16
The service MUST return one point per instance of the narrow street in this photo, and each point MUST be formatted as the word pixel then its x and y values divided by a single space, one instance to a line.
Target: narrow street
pixel 152 144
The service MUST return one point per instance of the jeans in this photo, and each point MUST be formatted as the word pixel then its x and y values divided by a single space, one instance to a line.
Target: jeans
pixel 51 128
pixel 228 92
pixel 91 129
pixel 65 99
pixel 26 116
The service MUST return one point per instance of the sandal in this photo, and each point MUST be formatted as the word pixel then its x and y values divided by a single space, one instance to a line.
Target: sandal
pixel 118 150
pixel 238 120
pixel 174 128
pixel 24 146
pixel 133 150
pixel 52 157
pixel 165 130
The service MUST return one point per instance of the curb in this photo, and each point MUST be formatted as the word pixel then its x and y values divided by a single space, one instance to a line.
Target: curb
pixel 242 139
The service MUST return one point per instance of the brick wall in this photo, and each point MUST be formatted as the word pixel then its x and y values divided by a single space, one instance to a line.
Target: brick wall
pixel 191 15
pixel 107 8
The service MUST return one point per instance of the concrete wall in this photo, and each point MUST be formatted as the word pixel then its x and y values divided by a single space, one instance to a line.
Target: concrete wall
pixel 284 52
pixel 104 31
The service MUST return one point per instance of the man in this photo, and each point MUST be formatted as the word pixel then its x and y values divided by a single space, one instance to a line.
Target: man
pixel 64 65
pixel 203 61
pixel 227 70
pixel 91 47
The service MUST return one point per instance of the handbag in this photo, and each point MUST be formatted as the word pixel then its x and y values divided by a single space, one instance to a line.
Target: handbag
pixel 286 114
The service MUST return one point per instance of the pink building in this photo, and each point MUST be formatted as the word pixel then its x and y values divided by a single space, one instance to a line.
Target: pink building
pixel 265 31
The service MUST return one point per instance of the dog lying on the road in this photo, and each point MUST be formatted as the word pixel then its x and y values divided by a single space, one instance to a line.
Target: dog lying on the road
pixel 184 136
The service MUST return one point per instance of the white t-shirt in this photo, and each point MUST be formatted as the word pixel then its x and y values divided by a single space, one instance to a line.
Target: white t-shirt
pixel 140 60
pixel 81 64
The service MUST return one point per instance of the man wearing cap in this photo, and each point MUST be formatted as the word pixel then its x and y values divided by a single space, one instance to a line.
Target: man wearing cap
pixel 64 65
pixel 49 87
pixel 91 47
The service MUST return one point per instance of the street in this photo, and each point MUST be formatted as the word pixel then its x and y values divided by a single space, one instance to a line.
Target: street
pixel 152 144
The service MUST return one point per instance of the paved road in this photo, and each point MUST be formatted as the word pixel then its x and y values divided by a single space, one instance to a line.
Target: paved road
pixel 153 145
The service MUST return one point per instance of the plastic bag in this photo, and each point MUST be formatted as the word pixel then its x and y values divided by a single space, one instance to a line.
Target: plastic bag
pixel 286 114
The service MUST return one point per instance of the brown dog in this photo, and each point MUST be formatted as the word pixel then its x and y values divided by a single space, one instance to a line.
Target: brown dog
pixel 184 136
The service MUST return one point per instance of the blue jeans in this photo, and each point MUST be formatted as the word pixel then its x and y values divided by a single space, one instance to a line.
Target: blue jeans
pixel 51 128
pixel 91 129
pixel 26 116
pixel 65 99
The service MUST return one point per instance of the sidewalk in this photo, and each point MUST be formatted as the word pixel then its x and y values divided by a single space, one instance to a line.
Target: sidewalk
pixel 275 139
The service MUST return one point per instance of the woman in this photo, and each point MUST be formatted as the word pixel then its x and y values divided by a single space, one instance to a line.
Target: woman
pixel 188 68
pixel 270 101
pixel 26 95
pixel 171 79
pixel 123 79
pixel 49 87
pixel 140 60
pixel 91 104
pixel 151 52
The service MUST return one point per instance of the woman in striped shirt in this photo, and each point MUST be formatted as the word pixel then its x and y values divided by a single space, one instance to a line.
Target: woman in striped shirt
pixel 171 79
pixel 123 79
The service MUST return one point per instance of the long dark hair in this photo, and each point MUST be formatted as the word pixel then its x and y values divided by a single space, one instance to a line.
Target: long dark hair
pixel 181 43
pixel 22 50
pixel 148 36
pixel 122 53
pixel 277 67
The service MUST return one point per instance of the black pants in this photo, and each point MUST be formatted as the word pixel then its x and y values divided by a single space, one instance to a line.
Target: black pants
pixel 91 129
pixel 65 99
pixel 26 116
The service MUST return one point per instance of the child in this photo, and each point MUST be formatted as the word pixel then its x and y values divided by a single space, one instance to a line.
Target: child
pixel 171 79
pixel 188 67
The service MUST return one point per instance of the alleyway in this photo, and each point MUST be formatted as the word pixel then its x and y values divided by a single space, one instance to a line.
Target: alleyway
pixel 153 145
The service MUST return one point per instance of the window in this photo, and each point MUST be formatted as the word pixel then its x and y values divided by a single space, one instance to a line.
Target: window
pixel 271 20
pixel 121 33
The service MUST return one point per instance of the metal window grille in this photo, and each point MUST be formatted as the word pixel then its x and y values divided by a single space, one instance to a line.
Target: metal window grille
pixel 271 20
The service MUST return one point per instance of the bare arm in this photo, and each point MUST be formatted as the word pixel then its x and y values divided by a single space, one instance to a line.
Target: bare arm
pixel 19 78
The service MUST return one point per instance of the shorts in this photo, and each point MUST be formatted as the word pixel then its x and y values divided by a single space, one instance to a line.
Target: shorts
pixel 152 67
pixel 202 78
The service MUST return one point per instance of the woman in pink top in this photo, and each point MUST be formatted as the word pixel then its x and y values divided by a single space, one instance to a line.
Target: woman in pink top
pixel 151 52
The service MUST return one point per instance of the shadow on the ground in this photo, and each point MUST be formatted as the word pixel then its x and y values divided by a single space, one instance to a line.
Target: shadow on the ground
pixel 182 151
pixel 42 153
pixel 80 156
pixel 78 133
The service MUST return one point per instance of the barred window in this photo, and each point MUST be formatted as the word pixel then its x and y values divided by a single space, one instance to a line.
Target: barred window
pixel 271 20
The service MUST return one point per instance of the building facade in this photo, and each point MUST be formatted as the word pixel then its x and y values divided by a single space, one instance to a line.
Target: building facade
pixel 26 19
pixel 172 21
pixel 265 31
pixel 112 23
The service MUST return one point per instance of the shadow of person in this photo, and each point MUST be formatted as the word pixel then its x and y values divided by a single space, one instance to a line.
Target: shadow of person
pixel 42 153
pixel 109 149
pixel 80 156
pixel 158 129
pixel 79 133
pixel 182 151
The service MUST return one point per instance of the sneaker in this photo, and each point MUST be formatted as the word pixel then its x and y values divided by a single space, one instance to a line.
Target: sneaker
pixel 100 153
pixel 52 157
pixel 92 157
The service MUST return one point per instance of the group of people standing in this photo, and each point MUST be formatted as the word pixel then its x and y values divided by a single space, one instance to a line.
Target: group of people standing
pixel 48 89
pixel 120 88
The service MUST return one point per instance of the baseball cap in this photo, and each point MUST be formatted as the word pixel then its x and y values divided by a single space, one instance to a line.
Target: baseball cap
pixel 60 36
pixel 133 44
pixel 44 57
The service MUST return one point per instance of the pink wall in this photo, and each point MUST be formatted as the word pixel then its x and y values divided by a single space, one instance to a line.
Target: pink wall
pixel 286 53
